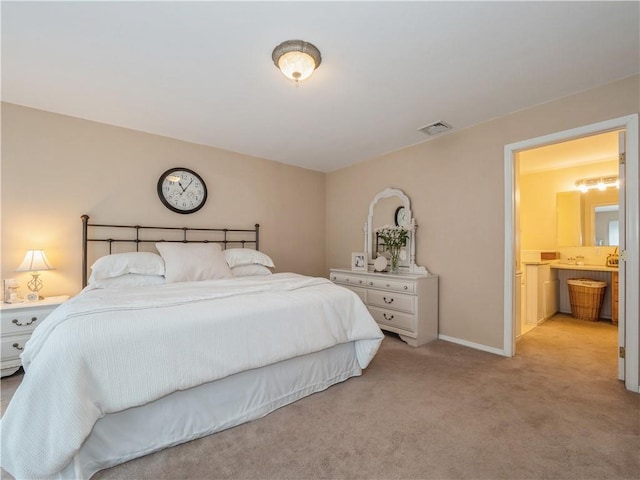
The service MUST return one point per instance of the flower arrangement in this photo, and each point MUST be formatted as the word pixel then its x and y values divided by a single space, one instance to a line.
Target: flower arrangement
pixel 394 238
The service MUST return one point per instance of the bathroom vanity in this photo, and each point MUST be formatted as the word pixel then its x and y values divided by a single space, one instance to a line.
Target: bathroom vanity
pixel 541 292
pixel 602 273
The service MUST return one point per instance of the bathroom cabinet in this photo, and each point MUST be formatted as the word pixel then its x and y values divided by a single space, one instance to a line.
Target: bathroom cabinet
pixel 403 303
pixel 541 292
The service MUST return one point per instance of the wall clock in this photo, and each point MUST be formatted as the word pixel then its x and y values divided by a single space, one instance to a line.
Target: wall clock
pixel 182 190
pixel 401 217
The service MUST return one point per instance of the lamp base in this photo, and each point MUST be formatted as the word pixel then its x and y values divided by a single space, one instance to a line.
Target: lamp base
pixel 33 297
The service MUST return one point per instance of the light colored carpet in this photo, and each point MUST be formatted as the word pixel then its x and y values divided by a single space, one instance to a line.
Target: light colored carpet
pixel 441 411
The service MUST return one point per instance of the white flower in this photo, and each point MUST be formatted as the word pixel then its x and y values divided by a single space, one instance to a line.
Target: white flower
pixel 393 236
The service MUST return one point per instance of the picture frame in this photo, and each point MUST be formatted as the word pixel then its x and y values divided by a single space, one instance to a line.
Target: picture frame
pixel 11 291
pixel 359 261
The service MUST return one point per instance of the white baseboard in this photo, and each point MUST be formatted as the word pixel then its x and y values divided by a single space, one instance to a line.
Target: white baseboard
pixel 477 346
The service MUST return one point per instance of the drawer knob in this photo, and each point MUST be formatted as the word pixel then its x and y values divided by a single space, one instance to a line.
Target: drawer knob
pixel 387 317
pixel 387 301
pixel 360 282
pixel 346 279
pixel 370 283
pixel 406 288
pixel 387 285
pixel 15 320
pixel 17 346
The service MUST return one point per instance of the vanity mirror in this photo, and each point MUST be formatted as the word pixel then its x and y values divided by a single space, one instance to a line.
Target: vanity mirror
pixel 587 219
pixel 386 207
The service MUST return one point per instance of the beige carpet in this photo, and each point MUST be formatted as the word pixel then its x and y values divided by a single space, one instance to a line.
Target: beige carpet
pixel 442 411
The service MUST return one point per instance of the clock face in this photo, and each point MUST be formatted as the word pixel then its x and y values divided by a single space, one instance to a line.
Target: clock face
pixel 401 216
pixel 182 190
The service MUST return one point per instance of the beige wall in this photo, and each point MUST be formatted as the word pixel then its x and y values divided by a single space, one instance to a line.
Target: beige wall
pixel 456 184
pixel 56 168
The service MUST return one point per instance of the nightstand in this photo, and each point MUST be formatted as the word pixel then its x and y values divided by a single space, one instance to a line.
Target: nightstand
pixel 18 320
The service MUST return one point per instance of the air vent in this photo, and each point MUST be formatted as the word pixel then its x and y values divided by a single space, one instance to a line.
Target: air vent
pixel 435 128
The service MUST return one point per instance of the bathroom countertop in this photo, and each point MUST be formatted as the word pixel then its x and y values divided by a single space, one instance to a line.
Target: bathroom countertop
pixel 597 268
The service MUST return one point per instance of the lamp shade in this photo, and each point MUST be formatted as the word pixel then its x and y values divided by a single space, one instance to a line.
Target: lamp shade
pixel 34 261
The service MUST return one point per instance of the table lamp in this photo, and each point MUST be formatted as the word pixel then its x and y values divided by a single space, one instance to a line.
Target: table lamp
pixel 34 261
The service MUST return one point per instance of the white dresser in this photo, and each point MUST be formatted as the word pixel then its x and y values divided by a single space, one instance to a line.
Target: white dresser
pixel 18 320
pixel 406 304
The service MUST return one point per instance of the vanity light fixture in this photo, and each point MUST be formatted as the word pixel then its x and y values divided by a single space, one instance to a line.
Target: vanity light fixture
pixel 296 59
pixel 35 261
pixel 601 183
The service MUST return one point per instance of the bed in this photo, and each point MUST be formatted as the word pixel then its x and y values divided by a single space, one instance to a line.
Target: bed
pixel 161 349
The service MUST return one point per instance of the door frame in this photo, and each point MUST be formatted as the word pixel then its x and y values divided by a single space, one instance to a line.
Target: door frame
pixel 631 280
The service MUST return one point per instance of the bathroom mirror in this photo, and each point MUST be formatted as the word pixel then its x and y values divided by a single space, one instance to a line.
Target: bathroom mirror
pixel 587 219
pixel 382 211
pixel 569 219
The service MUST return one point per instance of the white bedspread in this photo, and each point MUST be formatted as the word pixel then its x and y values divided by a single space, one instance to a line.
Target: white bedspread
pixel 107 350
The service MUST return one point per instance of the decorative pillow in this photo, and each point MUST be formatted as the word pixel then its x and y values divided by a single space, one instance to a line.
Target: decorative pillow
pixel 128 280
pixel 250 270
pixel 188 262
pixel 247 256
pixel 118 264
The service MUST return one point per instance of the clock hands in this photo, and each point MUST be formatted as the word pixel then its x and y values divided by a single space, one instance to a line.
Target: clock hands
pixel 185 188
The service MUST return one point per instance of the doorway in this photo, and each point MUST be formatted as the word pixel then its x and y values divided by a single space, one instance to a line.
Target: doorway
pixel 628 270
pixel 568 208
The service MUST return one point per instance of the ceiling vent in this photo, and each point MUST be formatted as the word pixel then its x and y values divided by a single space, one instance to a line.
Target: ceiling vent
pixel 435 128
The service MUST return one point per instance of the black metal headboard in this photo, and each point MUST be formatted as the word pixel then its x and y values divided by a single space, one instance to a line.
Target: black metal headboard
pixel 135 234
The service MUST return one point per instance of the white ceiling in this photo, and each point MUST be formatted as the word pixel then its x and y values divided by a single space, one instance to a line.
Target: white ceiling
pixel 202 71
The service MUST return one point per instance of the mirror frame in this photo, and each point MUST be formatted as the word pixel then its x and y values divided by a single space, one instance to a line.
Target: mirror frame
pixel 369 234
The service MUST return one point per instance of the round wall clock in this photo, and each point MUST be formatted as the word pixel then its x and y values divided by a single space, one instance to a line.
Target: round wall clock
pixel 401 217
pixel 182 190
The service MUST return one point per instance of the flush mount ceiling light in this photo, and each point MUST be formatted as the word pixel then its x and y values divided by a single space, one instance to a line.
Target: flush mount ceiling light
pixel 296 59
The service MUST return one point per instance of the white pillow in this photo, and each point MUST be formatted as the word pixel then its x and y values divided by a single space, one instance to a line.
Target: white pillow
pixel 118 264
pixel 188 262
pixel 250 270
pixel 128 280
pixel 247 256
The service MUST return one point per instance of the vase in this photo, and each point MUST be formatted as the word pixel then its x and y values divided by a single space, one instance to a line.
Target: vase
pixel 395 259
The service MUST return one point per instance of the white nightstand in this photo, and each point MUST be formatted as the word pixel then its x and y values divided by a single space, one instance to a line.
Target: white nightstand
pixel 17 323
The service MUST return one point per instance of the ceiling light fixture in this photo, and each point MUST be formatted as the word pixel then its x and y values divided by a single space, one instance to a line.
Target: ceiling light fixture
pixel 296 59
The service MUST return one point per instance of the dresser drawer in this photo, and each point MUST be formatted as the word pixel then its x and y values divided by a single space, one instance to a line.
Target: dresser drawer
pixel 348 279
pixel 389 284
pixel 392 300
pixel 393 318
pixel 12 347
pixel 22 321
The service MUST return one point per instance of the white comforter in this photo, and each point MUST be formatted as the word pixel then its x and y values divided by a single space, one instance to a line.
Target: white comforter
pixel 107 350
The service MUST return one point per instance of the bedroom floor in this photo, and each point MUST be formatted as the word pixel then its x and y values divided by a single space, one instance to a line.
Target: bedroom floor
pixel 444 411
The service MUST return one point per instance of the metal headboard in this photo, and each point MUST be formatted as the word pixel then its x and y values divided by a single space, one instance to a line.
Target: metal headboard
pixel 134 234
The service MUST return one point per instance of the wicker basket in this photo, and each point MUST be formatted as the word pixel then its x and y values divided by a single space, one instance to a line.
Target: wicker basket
pixel 586 297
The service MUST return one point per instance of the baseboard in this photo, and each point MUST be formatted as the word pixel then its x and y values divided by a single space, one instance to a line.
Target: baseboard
pixel 476 346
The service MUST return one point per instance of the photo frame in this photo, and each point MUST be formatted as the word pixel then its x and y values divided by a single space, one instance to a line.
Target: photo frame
pixel 359 261
pixel 11 291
